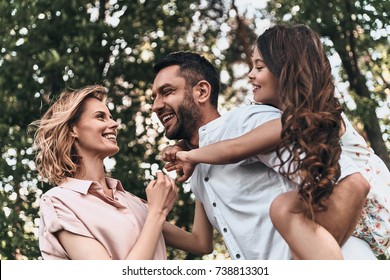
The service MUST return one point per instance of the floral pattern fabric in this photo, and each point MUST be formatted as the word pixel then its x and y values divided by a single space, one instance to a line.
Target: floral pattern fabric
pixel 374 223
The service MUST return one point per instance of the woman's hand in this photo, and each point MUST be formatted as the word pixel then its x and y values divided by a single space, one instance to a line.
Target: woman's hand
pixel 161 194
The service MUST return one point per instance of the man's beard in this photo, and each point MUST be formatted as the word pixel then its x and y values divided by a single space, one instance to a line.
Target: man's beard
pixel 188 119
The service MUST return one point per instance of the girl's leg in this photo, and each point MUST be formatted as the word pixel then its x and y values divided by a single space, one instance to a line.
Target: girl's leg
pixel 307 239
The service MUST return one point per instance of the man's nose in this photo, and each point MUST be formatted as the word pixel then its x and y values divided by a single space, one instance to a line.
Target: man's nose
pixel 157 104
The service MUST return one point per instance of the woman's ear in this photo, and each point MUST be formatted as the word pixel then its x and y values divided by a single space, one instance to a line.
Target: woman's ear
pixel 203 90
pixel 72 132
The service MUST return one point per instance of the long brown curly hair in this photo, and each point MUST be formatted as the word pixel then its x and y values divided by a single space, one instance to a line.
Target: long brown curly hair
pixel 311 119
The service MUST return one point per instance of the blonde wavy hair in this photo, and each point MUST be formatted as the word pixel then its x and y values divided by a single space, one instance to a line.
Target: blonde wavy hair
pixel 55 156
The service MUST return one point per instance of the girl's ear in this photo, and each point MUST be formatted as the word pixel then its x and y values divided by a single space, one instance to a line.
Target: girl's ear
pixel 203 91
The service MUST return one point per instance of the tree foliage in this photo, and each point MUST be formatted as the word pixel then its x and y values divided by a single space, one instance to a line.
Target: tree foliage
pixel 48 46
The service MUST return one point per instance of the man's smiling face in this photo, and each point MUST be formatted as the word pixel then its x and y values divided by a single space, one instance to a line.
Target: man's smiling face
pixel 174 104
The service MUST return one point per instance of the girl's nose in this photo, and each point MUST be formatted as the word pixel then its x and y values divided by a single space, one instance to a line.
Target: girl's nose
pixel 250 75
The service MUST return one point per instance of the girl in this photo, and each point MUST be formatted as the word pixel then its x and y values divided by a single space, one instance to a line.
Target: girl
pixel 91 216
pixel 314 143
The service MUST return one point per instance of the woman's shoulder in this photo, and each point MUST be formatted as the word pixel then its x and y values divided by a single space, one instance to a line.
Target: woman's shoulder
pixel 53 191
pixel 64 190
pixel 57 193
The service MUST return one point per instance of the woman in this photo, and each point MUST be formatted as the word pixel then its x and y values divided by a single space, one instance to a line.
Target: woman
pixel 88 215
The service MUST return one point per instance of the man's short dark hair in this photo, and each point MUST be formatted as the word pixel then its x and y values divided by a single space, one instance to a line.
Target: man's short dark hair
pixel 193 68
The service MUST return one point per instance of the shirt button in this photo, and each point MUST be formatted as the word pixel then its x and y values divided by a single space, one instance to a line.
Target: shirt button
pixel 206 179
pixel 116 198
pixel 214 204
pixel 224 229
pixel 238 256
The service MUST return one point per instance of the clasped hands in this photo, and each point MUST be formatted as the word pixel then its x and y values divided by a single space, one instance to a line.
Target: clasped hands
pixel 178 161
pixel 162 192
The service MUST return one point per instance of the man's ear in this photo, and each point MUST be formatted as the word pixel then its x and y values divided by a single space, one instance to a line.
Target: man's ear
pixel 203 91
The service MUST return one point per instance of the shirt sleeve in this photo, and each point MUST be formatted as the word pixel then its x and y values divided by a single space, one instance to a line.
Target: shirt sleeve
pixel 59 217
pixel 56 216
pixel 256 115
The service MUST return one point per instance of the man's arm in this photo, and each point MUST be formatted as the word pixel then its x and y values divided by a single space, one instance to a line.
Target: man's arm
pixel 344 207
pixel 198 241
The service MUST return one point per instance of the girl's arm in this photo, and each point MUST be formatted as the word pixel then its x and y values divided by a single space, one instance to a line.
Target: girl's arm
pixel 198 241
pixel 260 140
pixel 161 194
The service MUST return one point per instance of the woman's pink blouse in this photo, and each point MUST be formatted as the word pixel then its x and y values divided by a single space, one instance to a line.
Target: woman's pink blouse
pixel 81 207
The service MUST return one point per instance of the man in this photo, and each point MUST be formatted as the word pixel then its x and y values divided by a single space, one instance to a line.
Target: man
pixel 237 197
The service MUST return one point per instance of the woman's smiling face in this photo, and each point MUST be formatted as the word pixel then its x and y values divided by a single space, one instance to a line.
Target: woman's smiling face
pixel 95 132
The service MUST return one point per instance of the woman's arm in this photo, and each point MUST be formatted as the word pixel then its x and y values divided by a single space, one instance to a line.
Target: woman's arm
pixel 85 248
pixel 198 241
pixel 161 194
pixel 260 140
pixel 80 247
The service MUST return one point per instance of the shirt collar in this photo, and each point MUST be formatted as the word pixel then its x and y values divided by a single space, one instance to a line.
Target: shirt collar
pixel 82 186
pixel 114 184
pixel 212 125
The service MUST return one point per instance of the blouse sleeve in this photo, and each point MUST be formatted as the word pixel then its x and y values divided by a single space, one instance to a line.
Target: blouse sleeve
pixel 56 216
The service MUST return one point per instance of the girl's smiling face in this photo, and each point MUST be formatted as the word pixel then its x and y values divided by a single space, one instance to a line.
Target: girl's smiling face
pixel 265 84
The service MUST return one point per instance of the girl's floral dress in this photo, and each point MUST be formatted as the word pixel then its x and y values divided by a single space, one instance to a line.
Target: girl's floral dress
pixel 374 224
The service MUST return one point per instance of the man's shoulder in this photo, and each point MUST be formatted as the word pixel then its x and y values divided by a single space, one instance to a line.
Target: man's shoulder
pixel 259 111
pixel 255 108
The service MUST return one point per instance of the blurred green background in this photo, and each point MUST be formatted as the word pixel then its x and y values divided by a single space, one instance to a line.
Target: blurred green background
pixel 47 46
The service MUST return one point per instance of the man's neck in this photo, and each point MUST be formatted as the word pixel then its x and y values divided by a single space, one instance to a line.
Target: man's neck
pixel 211 116
pixel 189 146
pixel 193 143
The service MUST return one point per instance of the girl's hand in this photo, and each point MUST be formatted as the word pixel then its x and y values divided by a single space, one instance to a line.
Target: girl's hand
pixel 183 165
pixel 169 153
